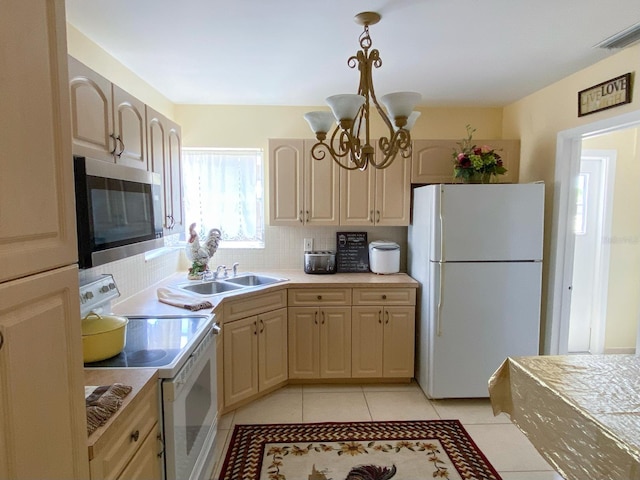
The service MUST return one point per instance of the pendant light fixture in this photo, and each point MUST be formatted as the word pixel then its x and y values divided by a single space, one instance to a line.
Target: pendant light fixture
pixel 350 142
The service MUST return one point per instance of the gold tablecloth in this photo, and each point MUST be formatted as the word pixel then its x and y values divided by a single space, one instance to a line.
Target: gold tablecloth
pixel 581 412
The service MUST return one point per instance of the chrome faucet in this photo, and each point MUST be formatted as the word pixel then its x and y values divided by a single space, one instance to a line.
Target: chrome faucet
pixel 235 268
pixel 224 270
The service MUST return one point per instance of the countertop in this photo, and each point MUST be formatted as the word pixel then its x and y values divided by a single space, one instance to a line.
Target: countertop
pixel 140 379
pixel 146 302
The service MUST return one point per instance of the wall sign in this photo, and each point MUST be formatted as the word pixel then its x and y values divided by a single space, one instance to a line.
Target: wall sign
pixel 609 94
pixel 352 252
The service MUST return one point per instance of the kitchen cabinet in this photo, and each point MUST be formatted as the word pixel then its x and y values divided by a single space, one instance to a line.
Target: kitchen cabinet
pixel 42 411
pixel 383 333
pixel 164 151
pixel 255 346
pixel 107 123
pixel 432 160
pixel 302 190
pixel 376 197
pixel 130 446
pixel 319 333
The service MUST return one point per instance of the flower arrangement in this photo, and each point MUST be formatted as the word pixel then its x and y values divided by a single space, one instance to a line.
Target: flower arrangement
pixel 473 164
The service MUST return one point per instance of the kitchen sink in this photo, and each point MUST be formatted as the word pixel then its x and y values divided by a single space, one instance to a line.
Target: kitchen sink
pixel 210 288
pixel 253 280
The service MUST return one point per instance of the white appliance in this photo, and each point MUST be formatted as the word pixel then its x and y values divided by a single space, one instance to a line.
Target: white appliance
pixel 384 257
pixel 477 252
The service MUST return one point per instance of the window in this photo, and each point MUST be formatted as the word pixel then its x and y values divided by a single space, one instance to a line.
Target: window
pixel 223 188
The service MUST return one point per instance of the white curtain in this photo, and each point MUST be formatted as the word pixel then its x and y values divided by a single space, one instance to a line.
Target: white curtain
pixel 224 189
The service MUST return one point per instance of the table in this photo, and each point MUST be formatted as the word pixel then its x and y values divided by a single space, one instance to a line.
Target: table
pixel 581 412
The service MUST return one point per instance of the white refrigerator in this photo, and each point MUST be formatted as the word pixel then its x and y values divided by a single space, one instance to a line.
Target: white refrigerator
pixel 477 252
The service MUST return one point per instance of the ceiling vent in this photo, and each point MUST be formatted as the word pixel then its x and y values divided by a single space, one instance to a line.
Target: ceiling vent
pixel 621 39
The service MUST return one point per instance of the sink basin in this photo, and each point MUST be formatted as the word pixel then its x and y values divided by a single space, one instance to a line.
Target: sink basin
pixel 210 288
pixel 252 280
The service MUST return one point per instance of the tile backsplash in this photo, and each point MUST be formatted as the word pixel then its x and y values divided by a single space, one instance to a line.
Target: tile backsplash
pixel 284 247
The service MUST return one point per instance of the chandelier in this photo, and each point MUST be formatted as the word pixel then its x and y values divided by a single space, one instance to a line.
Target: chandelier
pixel 350 143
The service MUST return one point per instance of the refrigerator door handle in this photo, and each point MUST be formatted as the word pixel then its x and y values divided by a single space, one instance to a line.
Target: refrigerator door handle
pixel 440 279
pixel 441 226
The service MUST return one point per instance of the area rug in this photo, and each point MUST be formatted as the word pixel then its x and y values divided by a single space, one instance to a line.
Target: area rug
pixel 408 450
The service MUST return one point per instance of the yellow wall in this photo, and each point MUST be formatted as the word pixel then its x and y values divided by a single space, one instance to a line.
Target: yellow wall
pixel 623 302
pixel 537 119
pixel 86 51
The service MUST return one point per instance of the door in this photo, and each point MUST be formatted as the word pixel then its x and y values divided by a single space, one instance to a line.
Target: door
pixel 481 313
pixel 321 189
pixel 240 359
pixel 591 256
pixel 357 197
pixel 367 332
pixel 130 129
pixel 393 193
pixel 335 342
pixel 488 222
pixel 272 348
pixel 399 341
pixel 286 182
pixel 304 342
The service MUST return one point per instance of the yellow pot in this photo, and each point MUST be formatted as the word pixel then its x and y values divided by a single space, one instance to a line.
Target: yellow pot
pixel 103 336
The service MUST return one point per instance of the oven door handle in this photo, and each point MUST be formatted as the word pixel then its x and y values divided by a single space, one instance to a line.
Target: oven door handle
pixel 216 328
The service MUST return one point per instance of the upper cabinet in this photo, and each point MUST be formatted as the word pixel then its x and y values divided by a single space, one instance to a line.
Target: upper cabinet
pixel 107 123
pixel 164 147
pixel 302 191
pixel 432 160
pixel 376 197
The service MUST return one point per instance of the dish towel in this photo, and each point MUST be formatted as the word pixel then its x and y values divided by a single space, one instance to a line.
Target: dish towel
pixel 102 402
pixel 176 299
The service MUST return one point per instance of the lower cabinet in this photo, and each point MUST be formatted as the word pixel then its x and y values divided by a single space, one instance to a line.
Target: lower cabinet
pixel 319 342
pixel 383 341
pixel 130 448
pixel 255 355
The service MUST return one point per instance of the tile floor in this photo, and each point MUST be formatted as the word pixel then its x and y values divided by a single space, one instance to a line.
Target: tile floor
pixel 504 445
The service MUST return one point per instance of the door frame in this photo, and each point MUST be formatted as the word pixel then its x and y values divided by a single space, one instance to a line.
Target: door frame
pixel 568 154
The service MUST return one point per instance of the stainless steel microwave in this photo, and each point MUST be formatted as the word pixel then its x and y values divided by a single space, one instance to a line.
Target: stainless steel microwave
pixel 118 211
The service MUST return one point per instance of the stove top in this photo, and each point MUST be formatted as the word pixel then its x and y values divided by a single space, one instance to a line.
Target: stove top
pixel 158 341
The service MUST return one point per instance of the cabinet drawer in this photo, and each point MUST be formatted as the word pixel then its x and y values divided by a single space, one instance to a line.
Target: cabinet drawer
pixel 384 296
pixel 254 305
pixel 146 464
pixel 304 297
pixel 119 443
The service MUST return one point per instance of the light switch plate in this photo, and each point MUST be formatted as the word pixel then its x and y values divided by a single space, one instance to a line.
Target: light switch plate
pixel 308 244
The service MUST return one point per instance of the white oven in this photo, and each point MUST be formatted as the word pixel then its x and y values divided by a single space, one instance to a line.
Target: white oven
pixel 190 413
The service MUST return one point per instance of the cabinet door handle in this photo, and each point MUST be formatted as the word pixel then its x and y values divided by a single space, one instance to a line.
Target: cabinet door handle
pixel 386 316
pixel 377 216
pixel 379 316
pixel 135 435
pixel 315 317
pixel 261 326
pixel 1 340
pixel 119 154
pixel 371 216
pixel 255 328
pixel 307 216
pixel 323 317
pixel 300 217
pixel 161 452
pixel 115 144
pixel 171 222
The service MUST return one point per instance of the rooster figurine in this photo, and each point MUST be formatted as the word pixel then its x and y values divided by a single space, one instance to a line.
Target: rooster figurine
pixel 201 254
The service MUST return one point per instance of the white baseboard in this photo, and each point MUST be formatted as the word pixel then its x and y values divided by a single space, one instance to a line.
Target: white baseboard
pixel 619 351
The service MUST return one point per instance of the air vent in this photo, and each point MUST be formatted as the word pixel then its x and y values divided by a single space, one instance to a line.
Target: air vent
pixel 621 39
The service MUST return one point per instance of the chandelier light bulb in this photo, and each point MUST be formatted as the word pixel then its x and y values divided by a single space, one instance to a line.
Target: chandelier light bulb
pixel 320 121
pixel 400 104
pixel 345 106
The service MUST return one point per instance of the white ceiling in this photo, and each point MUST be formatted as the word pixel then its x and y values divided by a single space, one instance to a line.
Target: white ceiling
pixel 294 52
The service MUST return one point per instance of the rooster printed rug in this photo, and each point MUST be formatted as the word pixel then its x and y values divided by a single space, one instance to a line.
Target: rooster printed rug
pixel 406 450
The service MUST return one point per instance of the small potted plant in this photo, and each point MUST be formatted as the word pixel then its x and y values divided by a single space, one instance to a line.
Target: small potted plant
pixel 473 164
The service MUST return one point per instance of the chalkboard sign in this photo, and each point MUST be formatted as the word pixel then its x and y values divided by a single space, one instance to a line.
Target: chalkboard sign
pixel 352 252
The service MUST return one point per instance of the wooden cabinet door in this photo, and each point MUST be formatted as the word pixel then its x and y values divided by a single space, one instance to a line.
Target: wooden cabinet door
pixel 286 182
pixel 129 127
pixel 91 113
pixel 335 342
pixel 146 464
pixel 393 193
pixel 43 431
pixel 240 359
pixel 357 197
pixel 304 342
pixel 272 348
pixel 432 160
pixel 367 329
pixel 399 341
pixel 321 189
pixel 173 176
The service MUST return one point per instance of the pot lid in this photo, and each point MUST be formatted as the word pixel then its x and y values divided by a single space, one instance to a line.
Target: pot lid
pixel 94 324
